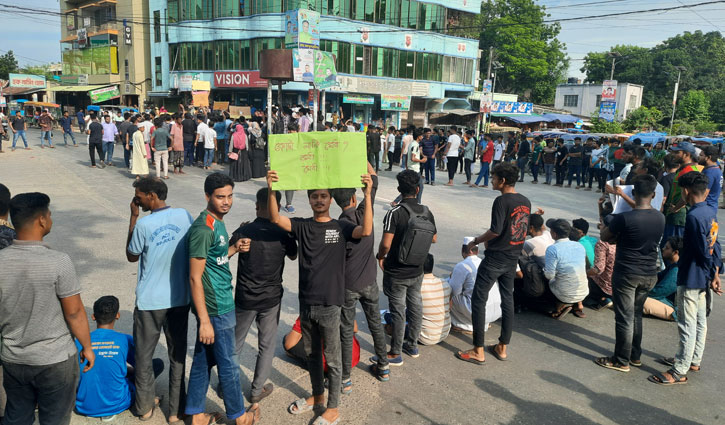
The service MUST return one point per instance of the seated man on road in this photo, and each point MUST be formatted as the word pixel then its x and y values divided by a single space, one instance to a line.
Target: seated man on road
pixel 530 282
pixel 660 300
pixel 107 389
pixel 565 269
pixel 581 227
pixel 436 295
pixel 461 282
pixel 535 247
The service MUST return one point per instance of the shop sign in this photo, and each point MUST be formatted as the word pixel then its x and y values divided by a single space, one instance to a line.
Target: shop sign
pixel 380 86
pixel 358 99
pixel 512 108
pixel 183 82
pixel 394 102
pixel 127 35
pixel 74 80
pixel 104 94
pixel 235 79
pixel 27 81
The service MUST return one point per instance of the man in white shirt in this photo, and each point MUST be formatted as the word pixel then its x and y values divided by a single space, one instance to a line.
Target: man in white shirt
pixel 454 142
pixel 390 145
pixel 416 159
pixel 461 282
pixel 498 150
pixel 566 270
pixel 407 139
pixel 540 240
pixel 436 295
pixel 202 130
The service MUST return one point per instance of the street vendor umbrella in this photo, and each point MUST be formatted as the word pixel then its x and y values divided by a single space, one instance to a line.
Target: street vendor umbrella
pixel 649 138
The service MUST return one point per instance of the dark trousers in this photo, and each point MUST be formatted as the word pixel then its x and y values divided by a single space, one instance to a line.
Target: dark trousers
pixel 147 327
pixel 452 166
pixel 188 152
pixel 535 171
pixel 629 293
pixel 127 155
pixel 376 156
pixel 585 169
pixel 404 295
pixel 391 159
pixel 598 174
pixel 430 169
pixel 92 149
pixel 495 267
pixel 200 152
pixel 575 169
pixel 267 321
pixel 521 163
pixel 321 328
pixel 51 388
pixel 560 173
pixel 369 301
pixel 460 163
pixel 467 169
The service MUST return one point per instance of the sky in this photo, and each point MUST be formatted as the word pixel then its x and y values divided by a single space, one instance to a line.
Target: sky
pixel 34 40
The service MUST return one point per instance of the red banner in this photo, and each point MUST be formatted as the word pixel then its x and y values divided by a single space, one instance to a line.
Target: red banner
pixel 238 79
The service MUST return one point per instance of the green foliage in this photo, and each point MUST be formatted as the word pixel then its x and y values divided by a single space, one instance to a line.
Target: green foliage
pixel 693 106
pixel 643 118
pixel 705 126
pixel 38 70
pixel 533 59
pixel 683 127
pixel 8 65
pixel 603 126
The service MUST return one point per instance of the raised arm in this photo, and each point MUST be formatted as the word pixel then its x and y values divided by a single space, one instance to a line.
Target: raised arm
pixel 283 222
pixel 367 227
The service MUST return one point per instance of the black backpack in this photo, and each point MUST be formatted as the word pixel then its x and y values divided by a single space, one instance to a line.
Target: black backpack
pixel 417 238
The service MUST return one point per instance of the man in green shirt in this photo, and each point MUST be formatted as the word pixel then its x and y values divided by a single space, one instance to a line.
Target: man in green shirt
pixel 213 305
pixel 536 157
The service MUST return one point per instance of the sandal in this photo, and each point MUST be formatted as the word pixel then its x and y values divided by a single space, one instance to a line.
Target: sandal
pixel 346 387
pixel 660 379
pixel 561 313
pixel 382 375
pixel 492 350
pixel 466 357
pixel 300 406
pixel 606 362
pixel 322 421
pixel 670 361
pixel 579 313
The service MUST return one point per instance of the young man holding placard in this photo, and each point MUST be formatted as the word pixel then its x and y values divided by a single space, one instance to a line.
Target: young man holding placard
pixel 322 248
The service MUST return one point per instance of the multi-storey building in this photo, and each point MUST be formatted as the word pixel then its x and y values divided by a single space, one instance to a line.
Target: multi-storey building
pixel 397 47
pixel 104 44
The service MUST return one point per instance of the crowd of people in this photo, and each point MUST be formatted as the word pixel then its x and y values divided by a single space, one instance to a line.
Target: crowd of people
pixel 657 254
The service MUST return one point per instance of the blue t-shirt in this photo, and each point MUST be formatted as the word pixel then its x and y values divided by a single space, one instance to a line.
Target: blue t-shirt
pixel 160 239
pixel 228 128
pixel 105 390
pixel 220 129
pixel 714 177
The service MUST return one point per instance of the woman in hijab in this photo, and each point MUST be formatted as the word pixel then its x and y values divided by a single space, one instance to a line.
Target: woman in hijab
pixel 239 169
pixel 258 156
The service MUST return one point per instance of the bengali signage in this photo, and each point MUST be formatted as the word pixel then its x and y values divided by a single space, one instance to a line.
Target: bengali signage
pixel 380 86
pixel 358 99
pixel 607 110
pixel 512 108
pixel 27 81
pixel 394 102
pixel 183 81
pixel 609 90
pixel 302 29
pixel 318 160
pixel 103 94
pixel 235 79
pixel 74 80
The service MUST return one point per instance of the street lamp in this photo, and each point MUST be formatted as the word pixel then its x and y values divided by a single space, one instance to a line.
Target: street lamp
pixel 614 56
pixel 679 69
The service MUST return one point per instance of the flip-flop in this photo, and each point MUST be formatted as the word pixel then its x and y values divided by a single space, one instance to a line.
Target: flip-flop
pixel 579 313
pixel 300 406
pixel 492 350
pixel 561 313
pixel 670 361
pixel 660 379
pixel 467 358
pixel 322 421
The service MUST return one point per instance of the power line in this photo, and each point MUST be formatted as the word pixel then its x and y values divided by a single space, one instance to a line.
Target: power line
pixel 703 18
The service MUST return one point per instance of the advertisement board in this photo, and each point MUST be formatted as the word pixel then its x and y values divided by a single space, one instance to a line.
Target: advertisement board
pixel 238 79
pixel 609 90
pixel 325 71
pixel 302 29
pixel 394 102
pixel 27 81
pixel 182 81
pixel 512 108
pixel 359 99
pixel 303 65
pixel 607 110
pixel 103 94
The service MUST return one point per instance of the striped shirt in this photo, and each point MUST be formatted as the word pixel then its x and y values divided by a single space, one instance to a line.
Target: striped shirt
pixel 33 279
pixel 436 325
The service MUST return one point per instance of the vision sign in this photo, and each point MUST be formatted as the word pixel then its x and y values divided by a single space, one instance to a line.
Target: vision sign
pixel 235 79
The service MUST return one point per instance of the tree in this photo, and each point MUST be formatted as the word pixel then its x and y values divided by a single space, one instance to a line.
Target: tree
pixel 600 125
pixel 533 59
pixel 643 118
pixel 8 65
pixel 38 70
pixel 693 107
pixel 634 63
pixel 682 127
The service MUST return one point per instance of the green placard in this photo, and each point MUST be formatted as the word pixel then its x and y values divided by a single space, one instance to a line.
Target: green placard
pixel 318 160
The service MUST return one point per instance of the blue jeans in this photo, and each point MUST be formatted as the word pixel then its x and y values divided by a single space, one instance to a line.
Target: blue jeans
pixel 208 157
pixel 521 163
pixel 404 162
pixel 108 151
pixel 222 354
pixel 483 174
pixel 691 326
pixel 549 172
pixel 46 135
pixel 65 136
pixel 20 133
pixel 535 171
pixel 575 169
pixel 188 153
pixel 430 169
pixel 404 299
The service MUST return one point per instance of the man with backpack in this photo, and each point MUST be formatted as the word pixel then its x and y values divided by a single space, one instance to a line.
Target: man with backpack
pixel 408 231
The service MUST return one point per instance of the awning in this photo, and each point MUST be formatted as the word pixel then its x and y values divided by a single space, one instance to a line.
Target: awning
pixel 446 105
pixel 562 118
pixel 462 112
pixel 159 94
pixel 16 91
pixel 42 104
pixel 649 138
pixel 75 88
pixel 523 119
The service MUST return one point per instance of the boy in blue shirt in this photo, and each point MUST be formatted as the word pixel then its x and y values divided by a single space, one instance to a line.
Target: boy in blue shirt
pixel 699 268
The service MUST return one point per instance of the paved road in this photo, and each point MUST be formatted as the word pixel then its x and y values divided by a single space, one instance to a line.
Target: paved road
pixel 549 379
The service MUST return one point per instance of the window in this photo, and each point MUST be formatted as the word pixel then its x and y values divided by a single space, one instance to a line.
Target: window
pixel 633 101
pixel 599 100
pixel 157 26
pixel 157 71
pixel 173 8
pixel 126 70
pixel 571 100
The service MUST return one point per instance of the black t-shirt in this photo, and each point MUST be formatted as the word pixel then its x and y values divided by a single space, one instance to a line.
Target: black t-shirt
pixel 96 135
pixel 360 265
pixel 576 160
pixel 639 233
pixel 189 130
pixel 510 221
pixel 130 130
pixel 561 152
pixel 18 123
pixel 524 148
pixel 322 260
pixel 396 222
pixel 587 154
pixel 667 181
pixel 259 271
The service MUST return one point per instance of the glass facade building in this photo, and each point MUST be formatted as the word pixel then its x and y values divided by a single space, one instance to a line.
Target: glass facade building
pixel 381 45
